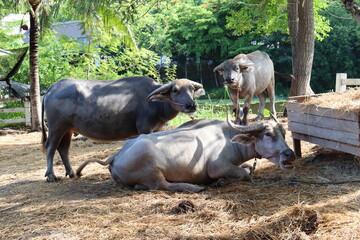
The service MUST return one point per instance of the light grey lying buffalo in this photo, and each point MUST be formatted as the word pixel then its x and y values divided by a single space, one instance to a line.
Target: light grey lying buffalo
pixel 198 152
pixel 110 110
pixel 248 75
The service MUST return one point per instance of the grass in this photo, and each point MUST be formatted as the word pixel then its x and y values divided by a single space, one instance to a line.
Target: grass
pixel 217 109
pixel 12 115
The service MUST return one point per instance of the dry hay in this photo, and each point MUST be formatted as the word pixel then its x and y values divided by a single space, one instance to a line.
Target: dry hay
pixel 94 207
pixel 345 101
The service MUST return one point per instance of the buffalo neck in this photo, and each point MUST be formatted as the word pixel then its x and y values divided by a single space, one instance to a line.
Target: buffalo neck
pixel 243 152
pixel 168 111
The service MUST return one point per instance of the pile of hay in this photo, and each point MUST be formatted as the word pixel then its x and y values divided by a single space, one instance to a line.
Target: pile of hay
pixel 94 207
pixel 347 101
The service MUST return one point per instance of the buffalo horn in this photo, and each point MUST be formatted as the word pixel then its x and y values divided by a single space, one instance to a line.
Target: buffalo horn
pixel 196 84
pixel 161 89
pixel 274 117
pixel 219 68
pixel 244 129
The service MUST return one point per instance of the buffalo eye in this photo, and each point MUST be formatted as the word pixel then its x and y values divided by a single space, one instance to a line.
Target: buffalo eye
pixel 175 90
pixel 268 134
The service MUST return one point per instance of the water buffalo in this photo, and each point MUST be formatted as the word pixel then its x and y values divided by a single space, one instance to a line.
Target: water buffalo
pixel 247 75
pixel 196 153
pixel 110 110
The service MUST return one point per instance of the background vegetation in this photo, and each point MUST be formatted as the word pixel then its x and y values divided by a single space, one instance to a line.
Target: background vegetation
pixel 196 35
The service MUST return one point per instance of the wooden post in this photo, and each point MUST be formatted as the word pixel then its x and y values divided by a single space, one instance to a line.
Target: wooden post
pixel 27 113
pixel 297 147
pixel 340 87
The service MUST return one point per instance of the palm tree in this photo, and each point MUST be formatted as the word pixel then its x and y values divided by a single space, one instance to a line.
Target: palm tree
pixel 34 64
pixel 95 13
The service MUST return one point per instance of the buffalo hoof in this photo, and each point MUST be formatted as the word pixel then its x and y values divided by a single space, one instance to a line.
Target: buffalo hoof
pixel 219 182
pixel 71 174
pixel 52 178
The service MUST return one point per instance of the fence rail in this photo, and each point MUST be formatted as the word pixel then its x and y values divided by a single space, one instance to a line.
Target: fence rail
pixel 26 109
pixel 342 81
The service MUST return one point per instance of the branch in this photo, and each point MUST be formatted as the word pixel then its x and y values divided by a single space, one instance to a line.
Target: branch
pixel 333 15
pixel 353 8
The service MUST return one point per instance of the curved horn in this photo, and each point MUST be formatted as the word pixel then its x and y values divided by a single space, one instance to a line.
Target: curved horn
pixel 243 60
pixel 219 68
pixel 196 84
pixel 244 129
pixel 274 117
pixel 161 89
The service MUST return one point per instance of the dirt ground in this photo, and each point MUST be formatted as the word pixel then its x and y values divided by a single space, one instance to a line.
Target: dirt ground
pixel 94 207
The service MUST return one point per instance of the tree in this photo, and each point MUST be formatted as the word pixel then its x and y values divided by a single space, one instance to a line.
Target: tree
pixel 108 12
pixel 353 8
pixel 34 68
pixel 270 16
pixel 301 32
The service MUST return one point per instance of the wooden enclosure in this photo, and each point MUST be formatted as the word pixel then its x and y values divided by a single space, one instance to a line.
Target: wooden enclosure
pixel 26 109
pixel 328 127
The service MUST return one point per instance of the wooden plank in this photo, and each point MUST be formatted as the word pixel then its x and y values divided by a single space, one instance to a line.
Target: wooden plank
pixel 10 110
pixel 330 134
pixel 325 122
pixel 324 112
pixel 355 150
pixel 10 99
pixel 302 98
pixel 18 120
pixel 351 81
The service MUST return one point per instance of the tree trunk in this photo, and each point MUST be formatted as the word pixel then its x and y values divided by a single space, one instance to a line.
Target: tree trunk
pixel 301 31
pixel 353 8
pixel 34 69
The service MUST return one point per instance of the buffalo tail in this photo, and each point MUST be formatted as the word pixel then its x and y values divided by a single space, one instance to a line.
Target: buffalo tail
pixel 43 129
pixel 104 163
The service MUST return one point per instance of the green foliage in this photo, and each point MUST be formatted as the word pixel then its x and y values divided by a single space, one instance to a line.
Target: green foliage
pixel 338 53
pixel 269 16
pixel 190 29
pixel 64 57
pixel 139 62
pixel 217 93
pixel 170 72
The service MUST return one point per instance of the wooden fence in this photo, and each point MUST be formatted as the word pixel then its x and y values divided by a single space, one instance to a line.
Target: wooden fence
pixel 25 109
pixel 342 81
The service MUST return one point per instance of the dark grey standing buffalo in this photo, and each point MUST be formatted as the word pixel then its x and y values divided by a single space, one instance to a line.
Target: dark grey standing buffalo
pixel 196 153
pixel 110 110
pixel 248 75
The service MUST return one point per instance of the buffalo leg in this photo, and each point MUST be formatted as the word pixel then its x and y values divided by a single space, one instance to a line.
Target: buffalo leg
pixel 184 187
pixel 246 110
pixel 63 150
pixel 229 172
pixel 51 145
pixel 262 102
pixel 271 94
pixel 235 101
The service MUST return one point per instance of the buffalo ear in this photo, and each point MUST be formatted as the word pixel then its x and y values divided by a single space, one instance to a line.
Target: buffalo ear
pixel 244 139
pixel 199 92
pixel 219 69
pixel 246 69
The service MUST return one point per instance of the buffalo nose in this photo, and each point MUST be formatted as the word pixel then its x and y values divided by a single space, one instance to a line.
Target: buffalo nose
pixel 190 107
pixel 289 154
